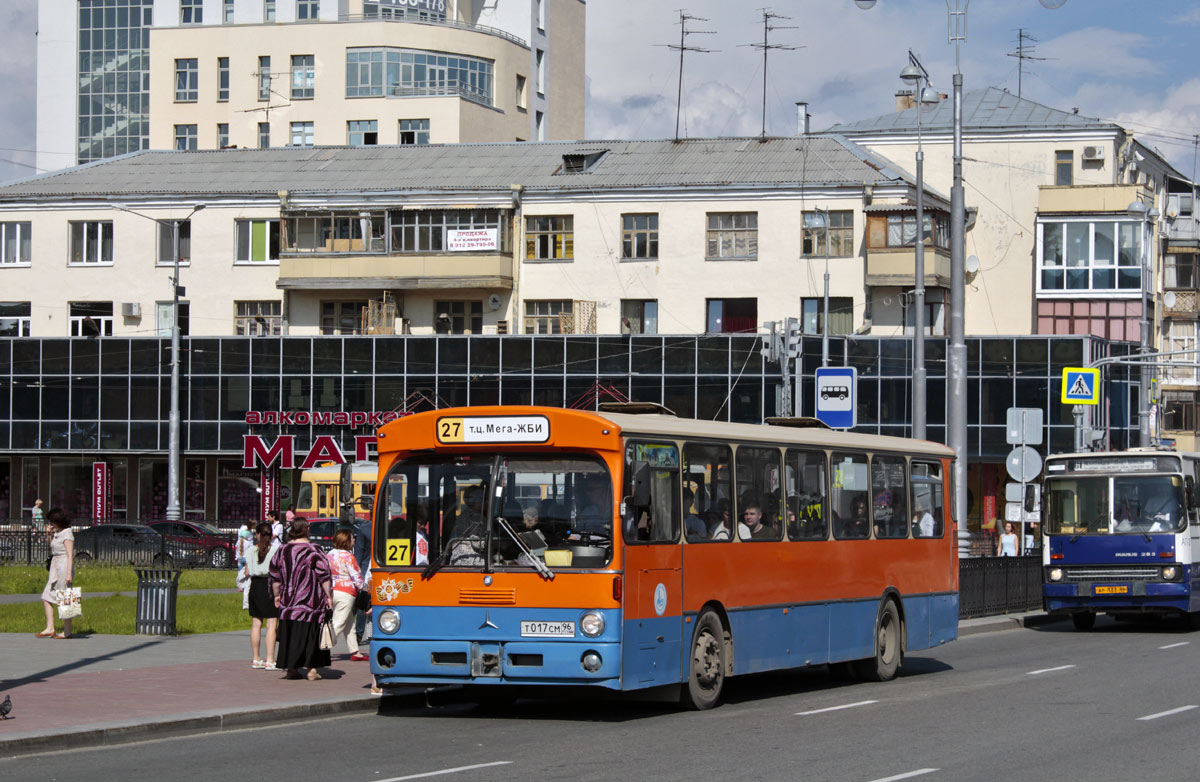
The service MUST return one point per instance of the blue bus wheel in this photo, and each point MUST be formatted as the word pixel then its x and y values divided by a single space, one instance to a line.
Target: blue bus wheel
pixel 706 664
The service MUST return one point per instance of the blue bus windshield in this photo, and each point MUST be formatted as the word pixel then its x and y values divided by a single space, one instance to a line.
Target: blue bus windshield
pixel 1114 505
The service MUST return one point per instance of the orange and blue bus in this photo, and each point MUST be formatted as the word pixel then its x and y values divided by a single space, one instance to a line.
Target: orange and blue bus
pixel 530 546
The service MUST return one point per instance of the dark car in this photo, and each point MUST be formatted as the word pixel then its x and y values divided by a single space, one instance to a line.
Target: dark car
pixel 320 532
pixel 200 540
pixel 134 544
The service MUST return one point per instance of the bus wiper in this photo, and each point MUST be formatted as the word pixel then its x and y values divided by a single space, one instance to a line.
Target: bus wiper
pixel 1074 537
pixel 538 564
pixel 436 563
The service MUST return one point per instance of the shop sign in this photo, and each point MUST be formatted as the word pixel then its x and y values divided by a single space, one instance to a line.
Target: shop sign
pixel 429 6
pixel 101 491
pixel 351 418
pixel 267 489
pixel 256 452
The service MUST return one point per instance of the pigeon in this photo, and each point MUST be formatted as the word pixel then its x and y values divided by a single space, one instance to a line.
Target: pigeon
pixel 5 707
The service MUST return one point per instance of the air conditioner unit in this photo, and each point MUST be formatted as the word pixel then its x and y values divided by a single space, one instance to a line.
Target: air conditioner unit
pixel 131 309
pixel 1093 153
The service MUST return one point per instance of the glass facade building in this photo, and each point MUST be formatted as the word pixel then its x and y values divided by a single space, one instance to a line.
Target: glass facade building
pixel 114 78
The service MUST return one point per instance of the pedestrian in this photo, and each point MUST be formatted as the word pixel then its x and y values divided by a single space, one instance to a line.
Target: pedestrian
pixel 289 516
pixel 303 591
pixel 277 529
pixel 260 603
pixel 245 542
pixel 38 521
pixel 362 555
pixel 347 581
pixel 1007 545
pixel 62 569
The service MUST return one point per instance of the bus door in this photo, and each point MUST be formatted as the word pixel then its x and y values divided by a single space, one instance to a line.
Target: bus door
pixel 653 602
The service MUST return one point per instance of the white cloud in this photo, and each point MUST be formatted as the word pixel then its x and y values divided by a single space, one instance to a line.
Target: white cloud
pixel 18 99
pixel 1099 51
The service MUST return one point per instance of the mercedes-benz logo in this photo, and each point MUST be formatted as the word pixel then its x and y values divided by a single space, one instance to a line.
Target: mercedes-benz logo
pixel 487 621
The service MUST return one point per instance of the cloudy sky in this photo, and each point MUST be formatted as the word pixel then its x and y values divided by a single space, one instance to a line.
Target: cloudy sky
pixel 1133 61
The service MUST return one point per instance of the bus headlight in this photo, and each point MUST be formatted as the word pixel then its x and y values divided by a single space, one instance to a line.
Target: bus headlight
pixel 1056 574
pixel 1170 573
pixel 389 621
pixel 592 624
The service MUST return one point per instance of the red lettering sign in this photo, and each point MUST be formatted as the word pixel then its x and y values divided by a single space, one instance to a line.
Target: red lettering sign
pixel 254 451
pixel 325 449
pixel 363 445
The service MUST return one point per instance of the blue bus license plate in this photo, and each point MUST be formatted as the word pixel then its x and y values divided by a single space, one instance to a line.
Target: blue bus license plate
pixel 1112 590
pixel 547 629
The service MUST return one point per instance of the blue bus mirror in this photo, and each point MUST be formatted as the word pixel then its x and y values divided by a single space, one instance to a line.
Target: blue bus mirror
pixel 1031 498
pixel 639 483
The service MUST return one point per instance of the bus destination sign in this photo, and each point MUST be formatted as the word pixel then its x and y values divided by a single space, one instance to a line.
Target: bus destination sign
pixel 469 430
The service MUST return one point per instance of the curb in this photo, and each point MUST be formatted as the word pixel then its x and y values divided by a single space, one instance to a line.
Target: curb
pixel 996 624
pixel 181 725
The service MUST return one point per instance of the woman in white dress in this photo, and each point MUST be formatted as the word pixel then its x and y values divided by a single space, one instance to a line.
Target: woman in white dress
pixel 62 569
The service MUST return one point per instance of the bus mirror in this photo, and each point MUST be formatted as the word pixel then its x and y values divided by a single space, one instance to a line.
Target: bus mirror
pixel 1190 492
pixel 1031 497
pixel 639 481
pixel 366 502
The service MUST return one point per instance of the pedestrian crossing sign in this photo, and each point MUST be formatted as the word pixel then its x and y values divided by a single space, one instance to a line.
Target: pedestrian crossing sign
pixel 1080 386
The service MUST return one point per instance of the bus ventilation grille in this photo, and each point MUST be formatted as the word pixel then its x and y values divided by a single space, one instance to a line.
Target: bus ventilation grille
pixel 487 597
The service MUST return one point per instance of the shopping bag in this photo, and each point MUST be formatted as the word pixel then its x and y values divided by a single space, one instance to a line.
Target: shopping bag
pixel 327 636
pixel 70 602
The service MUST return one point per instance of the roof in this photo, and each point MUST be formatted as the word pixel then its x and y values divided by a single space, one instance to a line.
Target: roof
pixel 992 109
pixel 689 163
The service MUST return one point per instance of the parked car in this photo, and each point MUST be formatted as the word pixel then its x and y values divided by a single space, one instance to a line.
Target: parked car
pixel 134 544
pixel 320 532
pixel 215 546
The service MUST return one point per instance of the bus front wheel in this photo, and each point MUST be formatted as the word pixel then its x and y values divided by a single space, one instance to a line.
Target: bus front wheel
pixel 706 673
pixel 1084 620
pixel 882 667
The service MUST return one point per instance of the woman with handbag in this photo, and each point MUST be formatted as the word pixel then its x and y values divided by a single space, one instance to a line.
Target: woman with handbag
pixel 347 583
pixel 62 569
pixel 303 591
pixel 258 596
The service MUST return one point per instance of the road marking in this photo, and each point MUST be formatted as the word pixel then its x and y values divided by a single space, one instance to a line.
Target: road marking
pixel 1051 670
pixel 1167 713
pixel 447 771
pixel 1172 646
pixel 834 708
pixel 907 775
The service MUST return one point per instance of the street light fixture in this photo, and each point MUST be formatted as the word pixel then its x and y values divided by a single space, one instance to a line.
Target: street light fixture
pixel 173 506
pixel 820 218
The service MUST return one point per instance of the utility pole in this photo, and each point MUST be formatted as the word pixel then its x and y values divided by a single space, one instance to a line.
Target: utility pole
pixel 766 46
pixel 682 47
pixel 783 346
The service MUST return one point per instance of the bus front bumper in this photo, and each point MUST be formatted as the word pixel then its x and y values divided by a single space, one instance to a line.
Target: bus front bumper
pixel 575 662
pixel 1136 597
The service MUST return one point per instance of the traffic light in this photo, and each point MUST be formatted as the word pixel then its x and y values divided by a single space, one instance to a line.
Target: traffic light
pixel 770 350
pixel 792 337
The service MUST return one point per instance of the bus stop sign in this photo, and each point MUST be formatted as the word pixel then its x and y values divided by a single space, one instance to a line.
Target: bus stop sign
pixel 837 397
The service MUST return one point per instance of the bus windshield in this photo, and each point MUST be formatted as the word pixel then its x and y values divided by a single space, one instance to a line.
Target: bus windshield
pixel 556 508
pixel 1113 505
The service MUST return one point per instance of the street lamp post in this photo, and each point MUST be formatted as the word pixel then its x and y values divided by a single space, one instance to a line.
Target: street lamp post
pixel 821 218
pixel 1140 212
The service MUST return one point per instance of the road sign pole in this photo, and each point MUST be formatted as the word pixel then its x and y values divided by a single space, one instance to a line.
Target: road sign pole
pixel 1077 412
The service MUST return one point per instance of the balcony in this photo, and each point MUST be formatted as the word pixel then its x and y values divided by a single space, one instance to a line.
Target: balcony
pixel 1089 199
pixel 897 266
pixel 396 272
pixel 1181 304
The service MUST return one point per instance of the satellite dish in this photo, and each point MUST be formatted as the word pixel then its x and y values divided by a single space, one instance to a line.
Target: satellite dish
pixel 1169 299
pixel 494 302
pixel 972 264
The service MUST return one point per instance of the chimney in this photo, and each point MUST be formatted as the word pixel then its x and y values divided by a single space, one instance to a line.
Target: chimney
pixel 905 99
pixel 802 118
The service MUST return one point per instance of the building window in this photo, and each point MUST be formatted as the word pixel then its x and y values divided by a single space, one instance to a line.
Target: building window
pixel 841 234
pixel 1180 340
pixel 187 80
pixel 187 137
pixel 541 317
pixel 191 11
pixel 16 240
pixel 264 135
pixel 414 131
pixel 1179 411
pixel 935 312
pixel 91 319
pixel 362 132
pixel 162 319
pixel 257 241
pixel 302 134
pixel 258 318
pixel 268 10
pixel 389 9
pixel 166 242
pixel 308 10
pixel 222 135
pixel 342 317
pixel 1090 256
pixel 412 72
pixel 550 238
pixel 639 236
pixel 264 78
pixel 732 316
pixel 1064 167
pixel 1179 272
pixel 540 70
pixel 336 233
pixel 430 230
pixel 458 317
pixel 539 126
pixel 222 79
pixel 14 318
pixel 732 235
pixel 841 315
pixel 304 76
pixel 111 92
pixel 91 242
pixel 639 316
pixel 521 97
pixel 227 12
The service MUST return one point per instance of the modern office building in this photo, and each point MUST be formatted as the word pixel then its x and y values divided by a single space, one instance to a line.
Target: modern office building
pixel 119 76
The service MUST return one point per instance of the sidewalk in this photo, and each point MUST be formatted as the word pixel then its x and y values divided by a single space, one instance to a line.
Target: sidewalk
pixel 112 689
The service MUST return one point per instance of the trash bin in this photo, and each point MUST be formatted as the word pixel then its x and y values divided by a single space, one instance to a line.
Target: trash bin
pixel 157 595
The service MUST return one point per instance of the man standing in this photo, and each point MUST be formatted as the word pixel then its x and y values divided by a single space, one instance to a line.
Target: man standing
pixel 276 526
pixel 362 553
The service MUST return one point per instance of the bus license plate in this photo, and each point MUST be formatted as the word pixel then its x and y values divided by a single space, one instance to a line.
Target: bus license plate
pixel 548 629
pixel 1112 590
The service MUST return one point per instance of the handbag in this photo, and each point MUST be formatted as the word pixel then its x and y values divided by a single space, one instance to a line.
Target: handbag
pixel 362 602
pixel 328 639
pixel 70 602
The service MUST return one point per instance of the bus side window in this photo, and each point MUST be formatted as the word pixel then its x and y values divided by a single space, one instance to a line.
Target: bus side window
pixel 758 480
pixel 850 479
pixel 707 467
pixel 889 500
pixel 927 500
pixel 807 496
pixel 658 521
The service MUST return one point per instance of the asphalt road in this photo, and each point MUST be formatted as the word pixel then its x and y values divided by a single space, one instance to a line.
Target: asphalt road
pixel 1119 703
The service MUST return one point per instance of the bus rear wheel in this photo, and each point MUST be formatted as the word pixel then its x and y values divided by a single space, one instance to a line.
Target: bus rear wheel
pixel 883 666
pixel 1083 620
pixel 706 673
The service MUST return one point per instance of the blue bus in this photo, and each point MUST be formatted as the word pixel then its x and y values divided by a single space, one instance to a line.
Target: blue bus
pixel 1121 534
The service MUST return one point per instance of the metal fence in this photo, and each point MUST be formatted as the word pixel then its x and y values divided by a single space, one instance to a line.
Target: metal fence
pixel 988 586
pixel 104 544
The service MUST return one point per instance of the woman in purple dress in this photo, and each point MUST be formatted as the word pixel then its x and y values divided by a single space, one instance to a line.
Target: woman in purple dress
pixel 303 588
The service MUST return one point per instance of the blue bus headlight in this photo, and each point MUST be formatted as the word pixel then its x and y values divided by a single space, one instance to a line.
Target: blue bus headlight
pixel 1056 574
pixel 592 624
pixel 1170 573
pixel 389 621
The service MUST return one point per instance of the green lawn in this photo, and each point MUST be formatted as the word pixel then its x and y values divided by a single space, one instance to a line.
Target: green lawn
pixel 30 579
pixel 114 615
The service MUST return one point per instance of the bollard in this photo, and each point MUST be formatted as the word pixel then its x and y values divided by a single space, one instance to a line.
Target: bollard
pixel 157 595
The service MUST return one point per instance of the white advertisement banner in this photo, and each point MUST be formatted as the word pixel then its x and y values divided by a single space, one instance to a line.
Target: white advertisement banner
pixel 473 240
